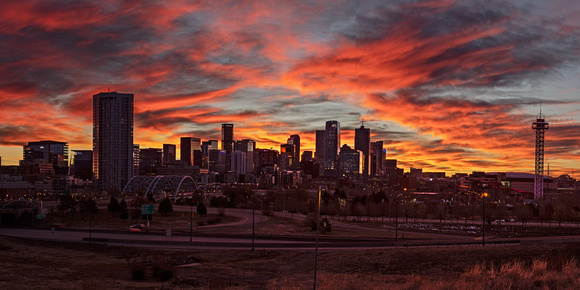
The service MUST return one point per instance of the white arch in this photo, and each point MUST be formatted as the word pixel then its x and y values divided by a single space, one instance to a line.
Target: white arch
pixel 155 180
pixel 179 186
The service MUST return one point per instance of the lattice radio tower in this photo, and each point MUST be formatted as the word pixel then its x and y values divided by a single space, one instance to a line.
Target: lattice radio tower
pixel 541 127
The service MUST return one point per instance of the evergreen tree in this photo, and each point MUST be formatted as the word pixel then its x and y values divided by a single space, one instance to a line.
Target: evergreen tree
pixel 113 206
pixel 201 209
pixel 165 206
pixel 124 212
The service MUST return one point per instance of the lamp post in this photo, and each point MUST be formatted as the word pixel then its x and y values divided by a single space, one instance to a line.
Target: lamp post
pixel 253 208
pixel 320 188
pixel 397 217
pixel 483 194
pixel 191 219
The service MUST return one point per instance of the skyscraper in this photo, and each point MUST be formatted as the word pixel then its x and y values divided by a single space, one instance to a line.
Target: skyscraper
pixel 377 157
pixel 228 143
pixel 247 146
pixel 362 142
pixel 331 148
pixel 169 152
pixel 83 164
pixel 295 140
pixel 112 139
pixel 319 151
pixel 188 146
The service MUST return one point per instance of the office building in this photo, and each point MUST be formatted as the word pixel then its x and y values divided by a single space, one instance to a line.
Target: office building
pixel 248 146
pixel 331 148
pixel 228 142
pixel 362 142
pixel 188 147
pixel 83 164
pixel 169 153
pixel 48 152
pixel 150 159
pixel 377 158
pixel 350 161
pixel 295 141
pixel 113 153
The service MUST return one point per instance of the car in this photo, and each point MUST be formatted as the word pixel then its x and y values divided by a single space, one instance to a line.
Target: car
pixel 57 225
pixel 136 227
pixel 512 221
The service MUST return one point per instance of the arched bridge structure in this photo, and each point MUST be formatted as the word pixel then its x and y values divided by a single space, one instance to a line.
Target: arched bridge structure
pixel 160 186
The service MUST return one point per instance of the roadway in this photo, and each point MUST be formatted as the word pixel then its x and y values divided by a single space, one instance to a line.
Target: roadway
pixel 240 242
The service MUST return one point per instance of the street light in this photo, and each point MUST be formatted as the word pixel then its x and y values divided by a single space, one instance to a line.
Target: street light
pixel 253 208
pixel 320 188
pixel 397 217
pixel 483 195
pixel 191 219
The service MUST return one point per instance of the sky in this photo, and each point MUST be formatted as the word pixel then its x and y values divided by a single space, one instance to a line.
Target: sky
pixel 449 86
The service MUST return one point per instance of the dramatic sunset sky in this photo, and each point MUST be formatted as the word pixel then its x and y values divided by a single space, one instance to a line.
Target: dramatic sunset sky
pixel 448 86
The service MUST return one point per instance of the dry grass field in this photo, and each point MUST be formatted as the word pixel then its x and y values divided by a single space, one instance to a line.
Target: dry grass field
pixel 29 264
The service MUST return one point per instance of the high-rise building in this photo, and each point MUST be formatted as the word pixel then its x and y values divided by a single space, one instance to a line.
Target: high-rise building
pixel 205 147
pixel 307 155
pixel 214 160
pixel 149 160
pixel 264 158
pixel 169 153
pixel 239 164
pixel 228 143
pixel 287 151
pixel 331 148
pixel 319 150
pixel 247 146
pixel 188 146
pixel 350 161
pixel 136 159
pixel 113 154
pixel 83 164
pixel 295 140
pixel 50 152
pixel 362 142
pixel 377 158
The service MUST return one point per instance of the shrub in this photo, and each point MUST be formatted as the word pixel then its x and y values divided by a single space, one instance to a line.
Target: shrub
pixel 138 271
pixel 162 271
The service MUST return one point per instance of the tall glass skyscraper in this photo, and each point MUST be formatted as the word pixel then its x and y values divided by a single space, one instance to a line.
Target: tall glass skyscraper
pixel 362 142
pixel 113 140
pixel 228 143
pixel 331 148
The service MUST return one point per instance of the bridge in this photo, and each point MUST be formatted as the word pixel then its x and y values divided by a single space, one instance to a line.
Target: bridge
pixel 160 186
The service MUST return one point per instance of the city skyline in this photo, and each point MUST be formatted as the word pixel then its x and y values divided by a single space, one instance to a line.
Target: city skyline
pixel 447 86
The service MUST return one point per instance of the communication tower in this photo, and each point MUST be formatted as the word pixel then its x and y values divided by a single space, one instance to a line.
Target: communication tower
pixel 541 126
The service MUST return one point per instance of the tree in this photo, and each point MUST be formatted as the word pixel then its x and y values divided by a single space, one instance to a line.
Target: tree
pixel 165 206
pixel 136 205
pixel 124 212
pixel 87 205
pixel 201 209
pixel 113 206
pixel 68 205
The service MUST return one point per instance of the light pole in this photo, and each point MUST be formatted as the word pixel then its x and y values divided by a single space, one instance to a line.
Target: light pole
pixel 397 217
pixel 253 208
pixel 320 188
pixel 191 219
pixel 483 194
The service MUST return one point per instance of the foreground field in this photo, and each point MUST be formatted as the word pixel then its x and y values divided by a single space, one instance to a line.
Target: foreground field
pixel 33 264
